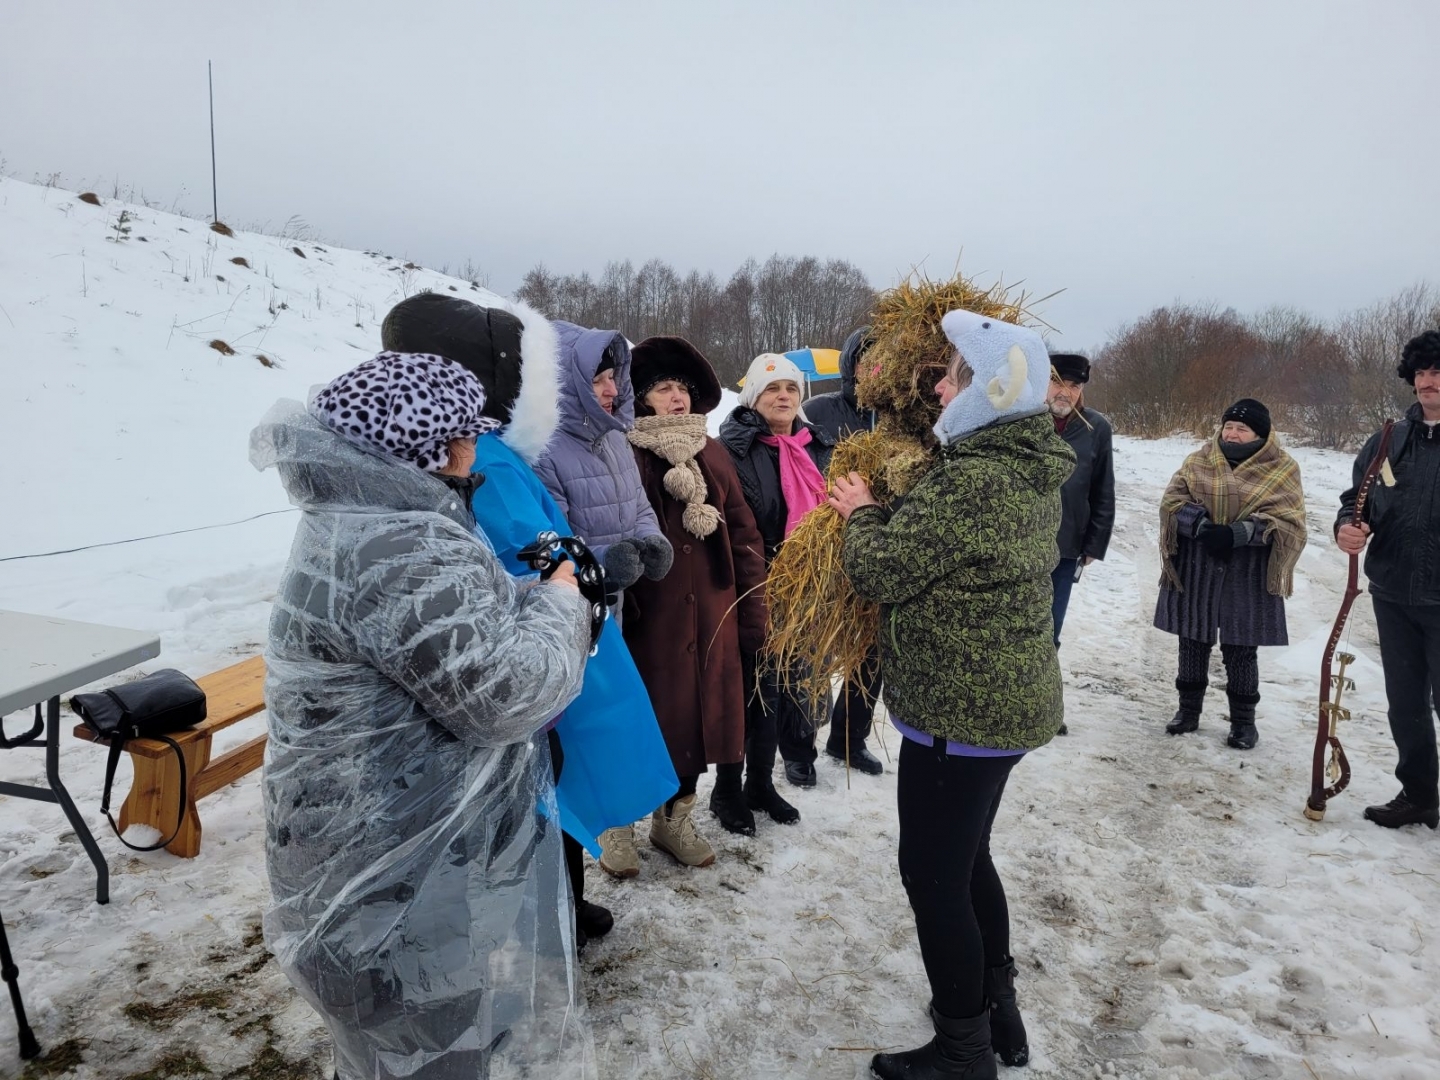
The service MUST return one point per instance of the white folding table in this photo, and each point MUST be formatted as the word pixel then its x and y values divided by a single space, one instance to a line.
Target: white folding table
pixel 42 659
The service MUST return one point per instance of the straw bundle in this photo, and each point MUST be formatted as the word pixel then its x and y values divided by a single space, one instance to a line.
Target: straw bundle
pixel 819 629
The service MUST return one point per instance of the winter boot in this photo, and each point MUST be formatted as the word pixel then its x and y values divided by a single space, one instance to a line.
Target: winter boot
pixel 961 1048
pixel 618 856
pixel 1007 1029
pixel 1192 700
pixel 1400 811
pixel 727 800
pixel 672 830
pixel 1243 735
pixel 592 921
pixel 760 793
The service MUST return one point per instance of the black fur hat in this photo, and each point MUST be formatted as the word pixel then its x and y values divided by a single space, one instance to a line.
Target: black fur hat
pixel 484 340
pixel 1421 353
pixel 659 358
pixel 1072 367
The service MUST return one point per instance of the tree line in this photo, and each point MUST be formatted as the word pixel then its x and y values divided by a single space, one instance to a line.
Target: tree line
pixel 783 303
pixel 1326 383
pixel 1172 370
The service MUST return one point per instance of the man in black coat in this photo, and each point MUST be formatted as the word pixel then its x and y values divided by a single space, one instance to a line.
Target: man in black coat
pixel 1087 500
pixel 838 415
pixel 1402 528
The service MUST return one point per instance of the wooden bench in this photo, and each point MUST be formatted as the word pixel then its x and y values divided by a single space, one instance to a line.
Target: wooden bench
pixel 231 695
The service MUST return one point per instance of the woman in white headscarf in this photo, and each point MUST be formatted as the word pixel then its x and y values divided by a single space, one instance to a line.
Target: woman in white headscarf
pixel 781 459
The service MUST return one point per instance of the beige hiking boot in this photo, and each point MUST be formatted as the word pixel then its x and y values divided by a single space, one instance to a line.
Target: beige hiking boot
pixel 618 856
pixel 676 836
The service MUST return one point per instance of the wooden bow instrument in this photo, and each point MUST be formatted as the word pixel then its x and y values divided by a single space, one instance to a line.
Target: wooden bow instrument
pixel 1337 771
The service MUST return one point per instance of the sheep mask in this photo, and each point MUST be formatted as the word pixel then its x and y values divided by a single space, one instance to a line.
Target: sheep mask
pixel 1011 374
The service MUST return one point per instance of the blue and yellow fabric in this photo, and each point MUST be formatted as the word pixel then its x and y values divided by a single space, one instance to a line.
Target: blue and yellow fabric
pixel 617 768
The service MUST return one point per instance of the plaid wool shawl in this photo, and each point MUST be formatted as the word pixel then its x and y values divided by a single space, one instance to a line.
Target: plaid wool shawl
pixel 1265 487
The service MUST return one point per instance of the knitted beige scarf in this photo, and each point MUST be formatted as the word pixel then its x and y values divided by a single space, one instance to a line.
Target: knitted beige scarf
pixel 677 439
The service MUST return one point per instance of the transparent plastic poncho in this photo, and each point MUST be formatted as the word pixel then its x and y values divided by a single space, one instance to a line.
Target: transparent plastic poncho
pixel 420 902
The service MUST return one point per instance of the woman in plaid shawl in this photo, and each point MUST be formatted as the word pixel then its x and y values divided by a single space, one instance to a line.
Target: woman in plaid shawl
pixel 1232 526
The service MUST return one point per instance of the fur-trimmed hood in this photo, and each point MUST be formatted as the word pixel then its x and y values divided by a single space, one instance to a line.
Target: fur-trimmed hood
pixel 509 346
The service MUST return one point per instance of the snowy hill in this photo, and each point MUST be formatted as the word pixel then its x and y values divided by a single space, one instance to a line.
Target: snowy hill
pixel 1174 916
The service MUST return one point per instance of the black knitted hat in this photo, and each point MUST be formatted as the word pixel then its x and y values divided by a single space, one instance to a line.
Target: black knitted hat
pixel 1252 414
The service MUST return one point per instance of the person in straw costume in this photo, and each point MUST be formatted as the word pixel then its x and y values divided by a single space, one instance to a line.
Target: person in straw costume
pixel 962 573
pixel 1232 526
pixel 688 633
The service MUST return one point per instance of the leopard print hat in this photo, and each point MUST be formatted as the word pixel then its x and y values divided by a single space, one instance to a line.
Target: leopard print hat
pixel 406 405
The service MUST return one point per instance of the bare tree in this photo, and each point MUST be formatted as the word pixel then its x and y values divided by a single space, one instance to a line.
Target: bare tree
pixel 785 303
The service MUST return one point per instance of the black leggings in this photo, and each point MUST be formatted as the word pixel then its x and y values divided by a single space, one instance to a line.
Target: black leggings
pixel 574 853
pixel 947 806
pixel 1242 667
pixel 687 787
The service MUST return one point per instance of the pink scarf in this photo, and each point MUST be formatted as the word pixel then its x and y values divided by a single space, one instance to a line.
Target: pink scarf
pixel 800 481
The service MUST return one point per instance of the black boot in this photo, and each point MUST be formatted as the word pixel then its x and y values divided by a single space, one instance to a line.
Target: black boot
pixel 727 801
pixel 1192 700
pixel 760 793
pixel 1243 735
pixel 592 920
pixel 1401 811
pixel 1007 1029
pixel 961 1048
pixel 861 760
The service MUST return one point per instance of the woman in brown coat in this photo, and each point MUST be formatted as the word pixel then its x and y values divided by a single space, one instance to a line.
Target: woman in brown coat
pixel 687 631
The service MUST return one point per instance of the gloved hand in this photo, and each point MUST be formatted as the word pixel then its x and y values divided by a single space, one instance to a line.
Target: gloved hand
pixel 622 564
pixel 657 555
pixel 1220 540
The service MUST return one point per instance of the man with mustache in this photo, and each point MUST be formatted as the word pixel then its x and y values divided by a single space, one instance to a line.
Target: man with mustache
pixel 1402 528
pixel 1088 497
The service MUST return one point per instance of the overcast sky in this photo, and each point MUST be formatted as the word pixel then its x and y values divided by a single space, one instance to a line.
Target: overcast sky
pixel 1131 153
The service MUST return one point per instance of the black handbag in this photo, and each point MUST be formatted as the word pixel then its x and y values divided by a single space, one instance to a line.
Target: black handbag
pixel 148 708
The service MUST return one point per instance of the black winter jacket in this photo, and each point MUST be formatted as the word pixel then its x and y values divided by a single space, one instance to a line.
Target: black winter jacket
pixel 836 413
pixel 759 469
pixel 1403 559
pixel 1087 500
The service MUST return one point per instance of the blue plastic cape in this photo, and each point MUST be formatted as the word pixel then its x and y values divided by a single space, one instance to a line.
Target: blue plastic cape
pixel 617 768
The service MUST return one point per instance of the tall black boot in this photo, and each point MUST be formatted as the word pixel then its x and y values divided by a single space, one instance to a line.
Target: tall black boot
pixel 961 1048
pixel 760 793
pixel 1192 700
pixel 1007 1029
pixel 1243 735
pixel 727 801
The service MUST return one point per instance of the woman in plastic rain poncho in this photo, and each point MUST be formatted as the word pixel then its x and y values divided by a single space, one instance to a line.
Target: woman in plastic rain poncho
pixel 411 835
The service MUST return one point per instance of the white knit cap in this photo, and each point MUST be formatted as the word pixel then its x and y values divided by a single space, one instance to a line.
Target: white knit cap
pixel 765 369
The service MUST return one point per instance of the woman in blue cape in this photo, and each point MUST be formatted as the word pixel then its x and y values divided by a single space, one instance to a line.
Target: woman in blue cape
pixel 616 767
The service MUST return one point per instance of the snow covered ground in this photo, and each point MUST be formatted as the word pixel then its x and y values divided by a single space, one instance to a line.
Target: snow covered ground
pixel 1174 915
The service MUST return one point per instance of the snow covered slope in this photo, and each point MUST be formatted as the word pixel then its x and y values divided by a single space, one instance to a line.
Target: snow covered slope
pixel 1174 915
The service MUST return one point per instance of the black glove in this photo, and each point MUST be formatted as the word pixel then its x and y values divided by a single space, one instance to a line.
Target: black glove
pixel 1219 540
pixel 622 564
pixel 657 555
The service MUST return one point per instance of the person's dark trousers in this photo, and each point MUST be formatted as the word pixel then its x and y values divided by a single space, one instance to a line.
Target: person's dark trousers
pixel 772 712
pixel 947 807
pixel 574 853
pixel 1410 655
pixel 1063 578
pixel 854 712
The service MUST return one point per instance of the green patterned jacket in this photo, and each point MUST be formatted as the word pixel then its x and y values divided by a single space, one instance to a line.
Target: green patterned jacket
pixel 962 571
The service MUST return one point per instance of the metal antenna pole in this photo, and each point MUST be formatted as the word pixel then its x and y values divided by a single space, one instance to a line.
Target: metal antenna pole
pixel 214 190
